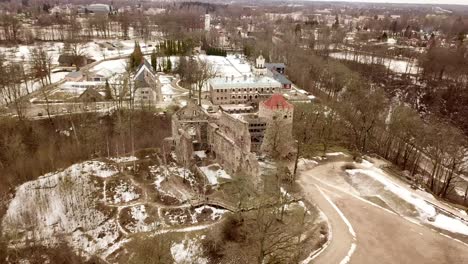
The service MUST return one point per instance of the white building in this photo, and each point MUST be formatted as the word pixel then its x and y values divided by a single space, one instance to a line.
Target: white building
pixel 242 90
pixel 207 22
pixel 147 86
pixel 145 96
pixel 259 68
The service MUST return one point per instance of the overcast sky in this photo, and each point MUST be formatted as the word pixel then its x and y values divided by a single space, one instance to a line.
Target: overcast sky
pixel 458 2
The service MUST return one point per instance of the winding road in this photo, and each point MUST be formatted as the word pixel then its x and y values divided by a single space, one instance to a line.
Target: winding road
pixel 362 232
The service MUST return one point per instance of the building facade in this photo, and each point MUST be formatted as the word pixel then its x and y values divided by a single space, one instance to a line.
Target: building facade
pixel 242 90
pixel 225 139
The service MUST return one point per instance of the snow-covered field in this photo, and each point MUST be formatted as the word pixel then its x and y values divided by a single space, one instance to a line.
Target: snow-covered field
pixel 114 66
pixel 395 65
pixel 63 204
pixel 21 53
pixel 372 181
pixel 99 50
pixel 94 208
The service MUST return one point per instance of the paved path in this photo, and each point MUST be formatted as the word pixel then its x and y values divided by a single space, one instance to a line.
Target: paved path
pixel 381 236
pixel 341 237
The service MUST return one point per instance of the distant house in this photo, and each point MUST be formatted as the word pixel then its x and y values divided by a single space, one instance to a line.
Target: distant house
pixel 285 82
pixel 145 96
pixel 91 95
pixel 68 60
pixel 278 67
pixel 147 87
pixel 276 70
pixel 74 76
pixel 98 9
pixel 100 76
pixel 64 9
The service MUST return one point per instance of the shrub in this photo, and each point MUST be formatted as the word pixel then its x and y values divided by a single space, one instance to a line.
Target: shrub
pixel 349 166
pixel 231 229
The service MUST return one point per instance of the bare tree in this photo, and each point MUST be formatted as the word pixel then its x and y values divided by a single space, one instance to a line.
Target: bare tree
pixel 202 72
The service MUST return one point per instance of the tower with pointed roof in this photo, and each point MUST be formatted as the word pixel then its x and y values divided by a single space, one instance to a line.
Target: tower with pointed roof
pixel 278 114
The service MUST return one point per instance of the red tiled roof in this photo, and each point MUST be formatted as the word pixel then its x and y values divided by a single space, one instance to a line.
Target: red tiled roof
pixel 277 101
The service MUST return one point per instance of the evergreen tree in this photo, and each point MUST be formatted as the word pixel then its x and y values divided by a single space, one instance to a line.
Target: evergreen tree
pixel 108 93
pixel 384 37
pixel 154 60
pixel 136 56
pixel 168 64
pixel 336 25
pixel 179 47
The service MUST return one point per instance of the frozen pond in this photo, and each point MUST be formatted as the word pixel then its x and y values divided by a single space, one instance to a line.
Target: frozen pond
pixel 395 65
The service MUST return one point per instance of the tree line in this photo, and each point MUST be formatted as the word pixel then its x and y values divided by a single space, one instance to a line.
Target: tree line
pixel 356 113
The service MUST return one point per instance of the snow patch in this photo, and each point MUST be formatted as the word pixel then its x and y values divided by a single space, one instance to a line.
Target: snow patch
pixel 214 172
pixel 123 159
pixel 188 251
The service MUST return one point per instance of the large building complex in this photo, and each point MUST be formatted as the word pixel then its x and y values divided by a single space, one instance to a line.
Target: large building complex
pixel 242 90
pixel 233 140
pixel 264 80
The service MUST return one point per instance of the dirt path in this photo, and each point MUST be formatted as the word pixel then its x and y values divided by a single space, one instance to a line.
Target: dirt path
pixel 381 235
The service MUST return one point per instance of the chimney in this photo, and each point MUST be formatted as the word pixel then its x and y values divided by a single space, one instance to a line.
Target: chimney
pixel 227 79
pixel 232 77
pixel 245 77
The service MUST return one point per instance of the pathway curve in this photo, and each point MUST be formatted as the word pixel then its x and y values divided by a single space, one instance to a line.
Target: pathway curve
pixel 381 235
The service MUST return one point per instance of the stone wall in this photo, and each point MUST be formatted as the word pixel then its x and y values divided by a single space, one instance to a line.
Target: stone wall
pixel 189 131
pixel 229 141
pixel 225 137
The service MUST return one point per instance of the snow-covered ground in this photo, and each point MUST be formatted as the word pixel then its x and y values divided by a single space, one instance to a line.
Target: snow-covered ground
pixel 95 209
pixel 123 159
pixel 188 250
pixel 377 183
pixel 21 53
pixel 123 192
pixel 63 204
pixel 395 65
pixel 102 49
pixel 214 173
pixel 215 213
pixel 166 186
pixel 115 66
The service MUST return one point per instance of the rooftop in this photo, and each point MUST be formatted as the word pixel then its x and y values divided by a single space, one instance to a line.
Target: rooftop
pixel 275 65
pixel 277 101
pixel 245 82
pixel 74 74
